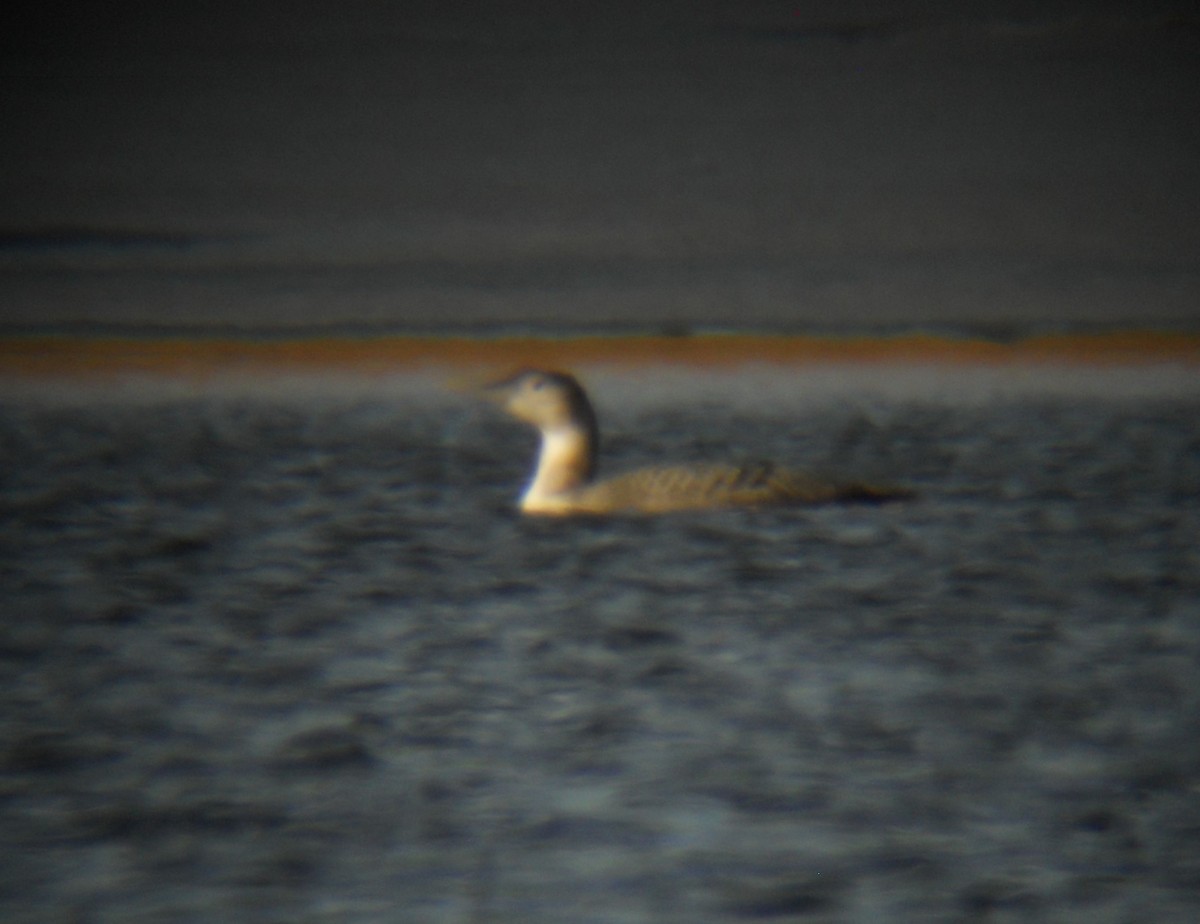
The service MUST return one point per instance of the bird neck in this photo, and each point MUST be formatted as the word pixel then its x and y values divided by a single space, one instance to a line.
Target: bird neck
pixel 566 462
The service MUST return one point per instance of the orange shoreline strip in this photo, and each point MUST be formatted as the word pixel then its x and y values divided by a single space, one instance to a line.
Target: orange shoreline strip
pixel 87 357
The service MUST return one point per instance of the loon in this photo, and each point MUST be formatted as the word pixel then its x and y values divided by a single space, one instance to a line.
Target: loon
pixel 564 481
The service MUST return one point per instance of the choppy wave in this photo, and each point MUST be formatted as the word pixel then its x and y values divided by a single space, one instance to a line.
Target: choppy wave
pixel 267 656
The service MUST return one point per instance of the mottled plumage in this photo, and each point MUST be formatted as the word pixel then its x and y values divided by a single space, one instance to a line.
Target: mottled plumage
pixel 564 484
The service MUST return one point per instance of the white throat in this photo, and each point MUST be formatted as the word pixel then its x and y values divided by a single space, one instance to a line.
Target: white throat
pixel 564 463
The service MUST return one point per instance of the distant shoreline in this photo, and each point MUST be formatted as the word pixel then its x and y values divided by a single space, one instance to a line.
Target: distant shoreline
pixel 73 357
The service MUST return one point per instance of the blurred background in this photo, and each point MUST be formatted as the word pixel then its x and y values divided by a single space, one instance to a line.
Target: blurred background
pixel 282 649
pixel 418 166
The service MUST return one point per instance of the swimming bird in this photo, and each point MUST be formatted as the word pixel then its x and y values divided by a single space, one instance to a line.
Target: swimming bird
pixel 564 481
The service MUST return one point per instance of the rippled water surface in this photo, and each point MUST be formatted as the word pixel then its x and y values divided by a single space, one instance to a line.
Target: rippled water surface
pixel 294 658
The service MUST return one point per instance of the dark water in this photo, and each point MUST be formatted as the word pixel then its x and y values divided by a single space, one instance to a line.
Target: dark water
pixel 521 165
pixel 291 659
